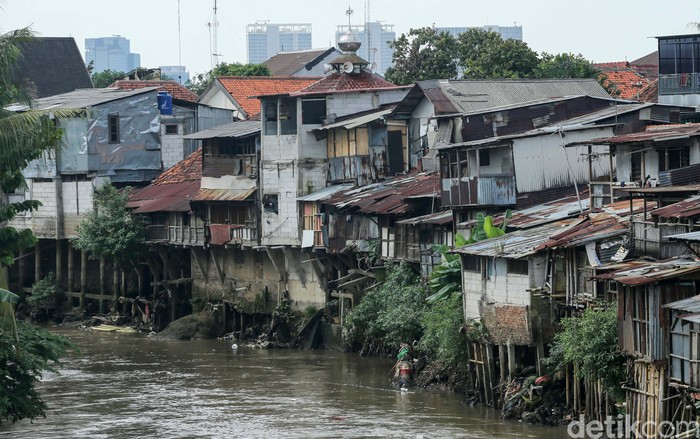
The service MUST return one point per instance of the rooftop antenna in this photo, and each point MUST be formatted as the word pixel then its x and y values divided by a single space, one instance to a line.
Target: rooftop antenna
pixel 349 12
pixel 179 44
pixel 368 27
pixel 213 25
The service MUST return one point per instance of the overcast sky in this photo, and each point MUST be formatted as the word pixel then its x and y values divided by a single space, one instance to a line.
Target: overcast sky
pixel 611 30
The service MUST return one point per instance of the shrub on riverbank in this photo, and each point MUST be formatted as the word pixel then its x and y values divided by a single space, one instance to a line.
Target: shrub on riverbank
pixel 389 314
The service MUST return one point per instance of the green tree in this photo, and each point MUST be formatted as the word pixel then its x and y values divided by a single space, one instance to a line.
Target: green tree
pixel 25 135
pixel 443 338
pixel 590 341
pixel 201 81
pixel 423 54
pixel 390 313
pixel 484 54
pixel 565 65
pixel 106 78
pixel 109 230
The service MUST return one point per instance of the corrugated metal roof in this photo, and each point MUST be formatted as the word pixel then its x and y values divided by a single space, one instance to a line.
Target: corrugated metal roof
pixel 390 197
pixel 437 218
pixel 223 194
pixel 594 227
pixel 173 197
pixel 689 305
pixel 683 209
pixel 651 135
pixel 325 193
pixel 83 98
pixel 239 129
pixel 517 244
pixel 692 236
pixel 357 121
pixel 692 188
pixel 646 272
pixel 473 95
pixel 288 63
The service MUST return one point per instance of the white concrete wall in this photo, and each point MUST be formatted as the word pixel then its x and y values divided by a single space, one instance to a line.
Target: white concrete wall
pixel 171 145
pixel 499 287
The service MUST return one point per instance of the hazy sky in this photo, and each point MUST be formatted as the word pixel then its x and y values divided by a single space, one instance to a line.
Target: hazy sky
pixel 611 30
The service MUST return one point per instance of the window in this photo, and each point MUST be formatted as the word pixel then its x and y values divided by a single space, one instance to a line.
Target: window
pixel 471 263
pixel 674 158
pixel 517 266
pixel 171 129
pixel 313 111
pixel 270 203
pixel 288 116
pixel 484 157
pixel 239 257
pixel 113 121
pixel 271 118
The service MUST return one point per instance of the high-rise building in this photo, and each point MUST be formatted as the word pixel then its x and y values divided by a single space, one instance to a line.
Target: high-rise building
pixel 265 40
pixel 515 32
pixel 111 53
pixel 375 38
pixel 178 74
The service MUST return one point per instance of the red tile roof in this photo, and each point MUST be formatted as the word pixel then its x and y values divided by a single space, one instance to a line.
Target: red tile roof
pixel 176 90
pixel 341 81
pixel 628 81
pixel 650 93
pixel 244 88
pixel 189 169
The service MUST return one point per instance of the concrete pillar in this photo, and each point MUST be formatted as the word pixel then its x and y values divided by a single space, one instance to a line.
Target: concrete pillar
pixel 511 361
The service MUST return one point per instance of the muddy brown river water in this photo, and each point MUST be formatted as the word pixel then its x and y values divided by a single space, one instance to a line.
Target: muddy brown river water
pixel 130 386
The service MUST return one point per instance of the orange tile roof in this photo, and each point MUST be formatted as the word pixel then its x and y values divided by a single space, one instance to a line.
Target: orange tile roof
pixel 650 93
pixel 341 81
pixel 244 88
pixel 189 169
pixel 176 90
pixel 628 81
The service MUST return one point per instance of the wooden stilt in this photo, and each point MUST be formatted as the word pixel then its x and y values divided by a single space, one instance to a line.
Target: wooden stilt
pixel 115 287
pixel 491 374
pixel 103 282
pixel 83 278
pixel 71 267
pixel 511 361
pixel 59 263
pixel 502 362
pixel 22 269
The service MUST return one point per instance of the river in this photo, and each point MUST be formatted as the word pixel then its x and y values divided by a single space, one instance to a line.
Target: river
pixel 128 386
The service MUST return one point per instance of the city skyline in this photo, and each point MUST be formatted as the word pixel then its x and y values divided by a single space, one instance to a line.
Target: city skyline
pixel 161 38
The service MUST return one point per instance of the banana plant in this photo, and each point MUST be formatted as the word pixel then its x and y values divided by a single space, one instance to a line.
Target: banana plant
pixel 446 278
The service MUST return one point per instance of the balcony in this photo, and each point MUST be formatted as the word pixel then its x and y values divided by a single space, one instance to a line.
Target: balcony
pixel 679 83
pixel 479 191
pixel 181 235
pixel 244 235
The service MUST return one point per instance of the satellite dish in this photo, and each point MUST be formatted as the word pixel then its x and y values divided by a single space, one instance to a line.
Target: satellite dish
pixel 373 67
pixel 348 67
pixel 327 68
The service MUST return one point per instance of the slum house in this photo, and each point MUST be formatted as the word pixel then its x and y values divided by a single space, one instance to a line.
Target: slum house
pixel 116 140
pixel 294 163
pixel 359 228
pixel 50 66
pixel 239 93
pixel 643 288
pixel 684 358
pixel 530 167
pixel 178 118
pixel 172 229
pixel 230 266
pixel 520 284
pixel 433 108
pixel 663 155
pixel 302 62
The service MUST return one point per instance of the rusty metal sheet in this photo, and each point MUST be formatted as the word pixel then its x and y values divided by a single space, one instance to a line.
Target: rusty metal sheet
pixel 646 272
pixel 163 198
pixel 683 209
pixel 223 194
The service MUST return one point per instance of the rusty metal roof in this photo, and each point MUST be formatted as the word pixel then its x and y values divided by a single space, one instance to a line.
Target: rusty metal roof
pixel 691 188
pixel 174 197
pixel 645 272
pixel 325 193
pixel 683 209
pixel 391 197
pixel 437 218
pixel 517 244
pixel 594 227
pixel 233 194
pixel 689 305
pixel 661 134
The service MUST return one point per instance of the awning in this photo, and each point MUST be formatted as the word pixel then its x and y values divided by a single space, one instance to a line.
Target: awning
pixel 354 122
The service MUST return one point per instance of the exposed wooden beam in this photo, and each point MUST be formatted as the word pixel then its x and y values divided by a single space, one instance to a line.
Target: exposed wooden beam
pixel 181 281
pixel 198 262
pixel 219 271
